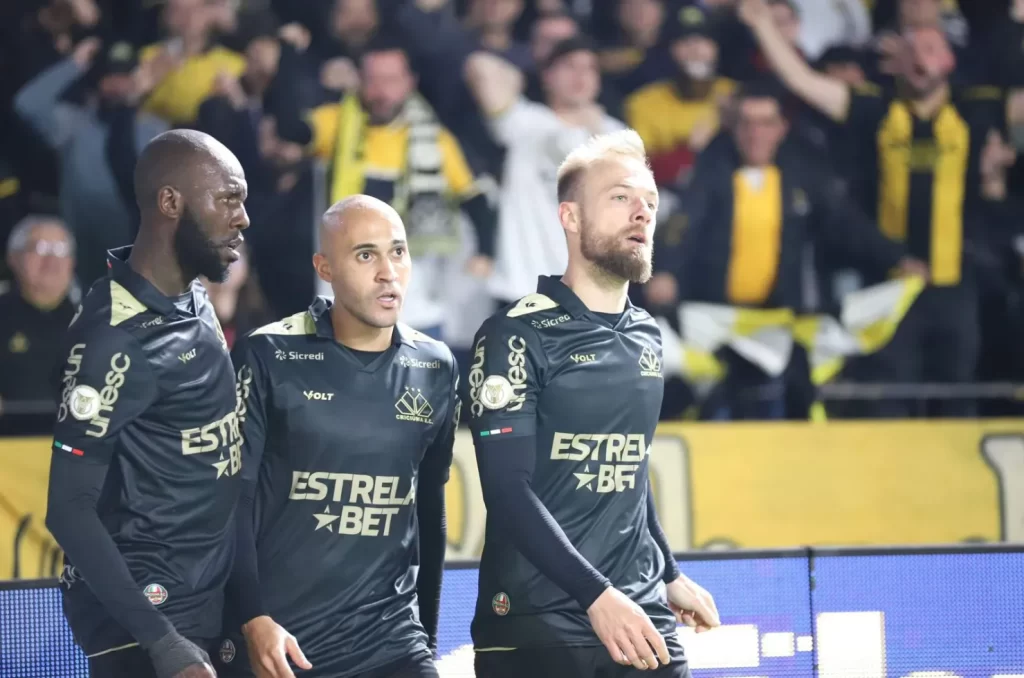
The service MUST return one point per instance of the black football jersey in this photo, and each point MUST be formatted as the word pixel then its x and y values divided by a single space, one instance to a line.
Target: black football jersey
pixel 334 445
pixel 149 387
pixel 590 394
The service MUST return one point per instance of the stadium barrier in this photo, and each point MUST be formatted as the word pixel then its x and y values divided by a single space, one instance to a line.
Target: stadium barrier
pixel 950 612
pixel 718 486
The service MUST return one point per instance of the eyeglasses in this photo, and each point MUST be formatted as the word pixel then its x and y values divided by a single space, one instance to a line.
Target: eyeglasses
pixel 51 248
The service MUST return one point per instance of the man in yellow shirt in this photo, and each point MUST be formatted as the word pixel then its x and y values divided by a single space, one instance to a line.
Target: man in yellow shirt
pixel 676 118
pixel 187 64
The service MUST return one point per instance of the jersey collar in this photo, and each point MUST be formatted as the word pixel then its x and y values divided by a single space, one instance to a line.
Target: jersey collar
pixel 140 288
pixel 320 311
pixel 553 287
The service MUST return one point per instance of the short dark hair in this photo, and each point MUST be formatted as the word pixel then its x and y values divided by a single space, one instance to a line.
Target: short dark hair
pixel 578 43
pixel 384 42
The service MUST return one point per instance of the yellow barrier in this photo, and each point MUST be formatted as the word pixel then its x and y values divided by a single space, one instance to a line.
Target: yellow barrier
pixel 717 486
pixel 792 484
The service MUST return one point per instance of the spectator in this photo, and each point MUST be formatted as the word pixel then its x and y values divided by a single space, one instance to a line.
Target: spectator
pixel 187 63
pixel 838 23
pixel 538 137
pixel 638 56
pixel 492 22
pixel 90 202
pixel 677 117
pixel 37 309
pixel 754 205
pixel 934 188
pixel 403 156
pixel 257 117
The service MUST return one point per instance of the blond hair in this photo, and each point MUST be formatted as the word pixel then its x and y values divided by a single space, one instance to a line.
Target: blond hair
pixel 622 144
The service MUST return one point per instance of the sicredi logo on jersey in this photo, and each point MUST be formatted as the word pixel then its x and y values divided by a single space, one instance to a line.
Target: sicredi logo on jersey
pixel 295 355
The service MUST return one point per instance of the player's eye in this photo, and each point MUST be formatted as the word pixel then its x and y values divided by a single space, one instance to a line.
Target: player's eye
pixel 399 251
pixel 621 197
pixel 652 206
pixel 363 256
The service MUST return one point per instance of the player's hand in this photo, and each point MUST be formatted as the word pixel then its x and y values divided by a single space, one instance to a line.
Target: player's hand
pixel 197 671
pixel 692 605
pixel 626 631
pixel 270 646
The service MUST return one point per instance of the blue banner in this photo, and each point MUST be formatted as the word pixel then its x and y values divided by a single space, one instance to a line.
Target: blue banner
pixel 949 613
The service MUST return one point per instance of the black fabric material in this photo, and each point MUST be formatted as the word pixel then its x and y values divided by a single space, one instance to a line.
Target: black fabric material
pixel 506 470
pixel 561 662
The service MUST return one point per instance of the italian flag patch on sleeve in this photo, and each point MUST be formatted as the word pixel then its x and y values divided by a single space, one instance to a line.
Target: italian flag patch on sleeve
pixel 67 448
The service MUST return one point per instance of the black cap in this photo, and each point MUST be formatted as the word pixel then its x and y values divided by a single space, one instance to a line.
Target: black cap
pixel 118 59
pixel 566 47
pixel 689 22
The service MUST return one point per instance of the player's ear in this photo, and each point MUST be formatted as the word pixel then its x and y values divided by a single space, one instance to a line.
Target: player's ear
pixel 568 214
pixel 322 267
pixel 170 202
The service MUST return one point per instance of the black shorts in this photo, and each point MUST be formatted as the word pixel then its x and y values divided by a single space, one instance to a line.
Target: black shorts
pixel 131 662
pixel 570 662
pixel 415 667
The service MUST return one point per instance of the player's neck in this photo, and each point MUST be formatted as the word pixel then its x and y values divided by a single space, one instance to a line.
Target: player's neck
pixel 353 333
pixel 152 260
pixel 599 293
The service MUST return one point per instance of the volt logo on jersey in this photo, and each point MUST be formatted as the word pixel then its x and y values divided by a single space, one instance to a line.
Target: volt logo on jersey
pixel 317 395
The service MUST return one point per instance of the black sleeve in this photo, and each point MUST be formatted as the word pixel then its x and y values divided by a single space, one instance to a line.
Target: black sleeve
pixel 867 108
pixel 252 385
pixel 485 222
pixel 507 353
pixel 682 231
pixel 654 527
pixel 844 227
pixel 430 515
pixel 106 383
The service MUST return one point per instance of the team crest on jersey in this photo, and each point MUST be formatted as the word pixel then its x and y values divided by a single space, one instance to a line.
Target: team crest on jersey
pixel 84 402
pixel 496 392
pixel 155 593
pixel 500 604
pixel 650 365
pixel 414 406
pixel 227 651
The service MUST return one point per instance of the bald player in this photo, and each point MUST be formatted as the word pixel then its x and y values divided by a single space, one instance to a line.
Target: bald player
pixel 349 419
pixel 144 476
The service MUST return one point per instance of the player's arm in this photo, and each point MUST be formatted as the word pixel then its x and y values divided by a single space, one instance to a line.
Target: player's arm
pixel 430 514
pixel 268 643
pixel 828 95
pixel 654 527
pixel 105 385
pixel 506 451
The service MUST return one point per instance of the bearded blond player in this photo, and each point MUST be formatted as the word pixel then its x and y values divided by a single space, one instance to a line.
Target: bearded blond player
pixel 565 389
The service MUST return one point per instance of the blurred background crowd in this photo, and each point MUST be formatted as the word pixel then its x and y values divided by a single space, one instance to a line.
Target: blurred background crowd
pixel 804 149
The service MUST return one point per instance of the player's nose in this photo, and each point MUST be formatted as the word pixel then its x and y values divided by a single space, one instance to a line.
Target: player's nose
pixel 240 222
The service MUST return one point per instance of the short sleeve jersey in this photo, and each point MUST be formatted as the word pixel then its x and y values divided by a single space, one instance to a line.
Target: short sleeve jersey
pixel 335 445
pixel 148 388
pixel 589 393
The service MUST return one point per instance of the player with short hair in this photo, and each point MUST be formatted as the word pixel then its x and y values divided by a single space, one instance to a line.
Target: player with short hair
pixel 565 389
pixel 146 449
pixel 349 421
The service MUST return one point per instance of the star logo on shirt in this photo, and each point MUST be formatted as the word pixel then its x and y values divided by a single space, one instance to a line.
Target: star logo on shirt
pixel 325 519
pixel 222 467
pixel 585 478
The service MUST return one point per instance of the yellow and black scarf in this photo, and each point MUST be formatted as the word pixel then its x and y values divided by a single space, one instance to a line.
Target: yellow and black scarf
pixel 421 195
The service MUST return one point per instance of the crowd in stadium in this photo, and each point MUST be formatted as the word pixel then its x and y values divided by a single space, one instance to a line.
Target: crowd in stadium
pixel 803 149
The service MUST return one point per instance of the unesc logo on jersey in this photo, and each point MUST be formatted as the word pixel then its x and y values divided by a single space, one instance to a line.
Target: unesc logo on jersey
pixel 414 406
pixel 650 365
